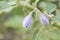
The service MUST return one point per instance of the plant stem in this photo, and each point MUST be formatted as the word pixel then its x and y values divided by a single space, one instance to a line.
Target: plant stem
pixel 36 2
pixel 38 33
pixel 58 4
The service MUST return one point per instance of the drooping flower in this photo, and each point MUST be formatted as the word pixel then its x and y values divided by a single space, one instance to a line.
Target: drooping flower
pixel 43 19
pixel 27 20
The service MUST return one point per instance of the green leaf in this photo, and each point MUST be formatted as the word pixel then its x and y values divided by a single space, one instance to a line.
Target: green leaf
pixel 57 17
pixel 46 6
pixel 50 7
pixel 6 6
pixel 3 5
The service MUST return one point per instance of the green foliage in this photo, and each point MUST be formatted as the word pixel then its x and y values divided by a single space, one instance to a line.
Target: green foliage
pixel 19 11
pixel 57 17
pixel 32 1
pixel 47 6
pixel 16 18
pixel 14 21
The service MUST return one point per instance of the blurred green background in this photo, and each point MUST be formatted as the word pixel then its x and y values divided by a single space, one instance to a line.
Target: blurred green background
pixel 12 14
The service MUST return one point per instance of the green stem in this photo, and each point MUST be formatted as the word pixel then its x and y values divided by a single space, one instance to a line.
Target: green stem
pixel 59 4
pixel 36 2
pixel 38 33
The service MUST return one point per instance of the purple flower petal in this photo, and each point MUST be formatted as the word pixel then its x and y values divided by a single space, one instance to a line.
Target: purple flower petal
pixel 43 19
pixel 27 20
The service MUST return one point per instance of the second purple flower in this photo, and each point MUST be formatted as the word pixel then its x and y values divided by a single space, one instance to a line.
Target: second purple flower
pixel 43 19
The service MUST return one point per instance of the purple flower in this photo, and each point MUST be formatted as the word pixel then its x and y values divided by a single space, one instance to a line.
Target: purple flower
pixel 27 20
pixel 43 19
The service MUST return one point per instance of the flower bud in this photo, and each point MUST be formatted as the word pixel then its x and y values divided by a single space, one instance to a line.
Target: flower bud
pixel 43 19
pixel 27 20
